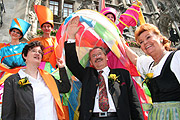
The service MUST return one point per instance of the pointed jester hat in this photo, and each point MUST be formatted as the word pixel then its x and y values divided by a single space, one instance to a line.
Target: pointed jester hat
pixel 44 15
pixel 21 25
pixel 109 10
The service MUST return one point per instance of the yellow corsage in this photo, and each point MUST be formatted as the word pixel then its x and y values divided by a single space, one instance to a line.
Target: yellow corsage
pixel 148 77
pixel 23 82
pixel 114 78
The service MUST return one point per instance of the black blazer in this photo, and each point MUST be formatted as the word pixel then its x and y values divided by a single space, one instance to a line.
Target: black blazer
pixel 18 103
pixel 124 93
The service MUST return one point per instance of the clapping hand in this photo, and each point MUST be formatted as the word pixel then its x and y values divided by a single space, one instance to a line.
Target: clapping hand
pixel 73 27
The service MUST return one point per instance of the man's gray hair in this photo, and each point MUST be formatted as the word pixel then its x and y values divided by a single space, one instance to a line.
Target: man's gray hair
pixel 96 47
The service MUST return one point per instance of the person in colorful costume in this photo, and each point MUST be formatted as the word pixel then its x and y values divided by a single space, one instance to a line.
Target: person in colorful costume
pixel 45 17
pixel 129 18
pixel 160 70
pixel 10 53
pixel 27 93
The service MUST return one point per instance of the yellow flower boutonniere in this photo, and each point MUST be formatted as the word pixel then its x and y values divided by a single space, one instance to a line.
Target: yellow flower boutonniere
pixel 114 78
pixel 23 82
pixel 148 77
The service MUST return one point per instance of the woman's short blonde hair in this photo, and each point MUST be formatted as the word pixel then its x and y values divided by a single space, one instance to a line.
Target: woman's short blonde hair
pixel 150 27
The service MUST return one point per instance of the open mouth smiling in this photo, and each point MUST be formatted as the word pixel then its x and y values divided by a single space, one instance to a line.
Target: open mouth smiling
pixel 148 46
pixel 37 57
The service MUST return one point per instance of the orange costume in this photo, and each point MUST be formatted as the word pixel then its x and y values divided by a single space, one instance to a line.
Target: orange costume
pixel 48 44
pixel 45 15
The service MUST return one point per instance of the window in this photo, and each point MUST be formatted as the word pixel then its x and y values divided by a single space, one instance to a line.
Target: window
pixel 53 5
pixel 68 9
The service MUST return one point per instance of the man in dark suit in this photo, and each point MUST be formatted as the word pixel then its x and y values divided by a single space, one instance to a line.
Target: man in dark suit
pixel 120 100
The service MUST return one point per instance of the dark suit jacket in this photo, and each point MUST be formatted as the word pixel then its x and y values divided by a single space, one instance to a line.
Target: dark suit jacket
pixel 18 103
pixel 124 94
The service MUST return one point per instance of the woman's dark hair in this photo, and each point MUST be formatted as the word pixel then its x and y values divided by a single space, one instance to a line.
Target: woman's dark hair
pixel 111 14
pixel 30 46
pixel 47 23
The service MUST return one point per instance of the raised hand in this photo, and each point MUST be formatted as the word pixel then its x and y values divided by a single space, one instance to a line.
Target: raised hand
pixel 73 27
pixel 60 62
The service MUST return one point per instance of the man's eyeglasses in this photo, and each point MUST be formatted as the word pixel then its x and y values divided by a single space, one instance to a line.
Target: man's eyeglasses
pixel 96 55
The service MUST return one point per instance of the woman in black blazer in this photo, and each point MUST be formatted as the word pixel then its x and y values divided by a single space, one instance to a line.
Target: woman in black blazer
pixel 32 93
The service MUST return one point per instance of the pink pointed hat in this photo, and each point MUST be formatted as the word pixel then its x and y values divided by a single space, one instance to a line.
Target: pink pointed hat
pixel 109 10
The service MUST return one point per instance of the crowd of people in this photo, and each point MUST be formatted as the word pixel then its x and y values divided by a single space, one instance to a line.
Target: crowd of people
pixel 30 91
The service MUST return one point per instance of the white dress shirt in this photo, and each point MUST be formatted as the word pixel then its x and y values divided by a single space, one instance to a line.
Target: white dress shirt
pixel 71 40
pixel 44 102
pixel 112 108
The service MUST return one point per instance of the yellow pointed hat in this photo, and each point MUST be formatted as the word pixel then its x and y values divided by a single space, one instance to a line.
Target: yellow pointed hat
pixel 44 14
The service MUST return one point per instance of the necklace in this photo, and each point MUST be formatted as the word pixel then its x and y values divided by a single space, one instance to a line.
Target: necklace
pixel 162 55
